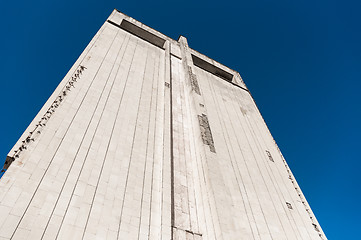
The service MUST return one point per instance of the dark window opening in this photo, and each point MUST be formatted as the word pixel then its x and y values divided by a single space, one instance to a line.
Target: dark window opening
pixel 140 32
pixel 211 68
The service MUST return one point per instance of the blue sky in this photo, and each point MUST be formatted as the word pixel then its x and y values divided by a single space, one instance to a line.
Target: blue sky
pixel 300 59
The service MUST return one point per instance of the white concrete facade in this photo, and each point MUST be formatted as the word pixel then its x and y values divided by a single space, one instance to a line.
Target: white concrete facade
pixel 146 138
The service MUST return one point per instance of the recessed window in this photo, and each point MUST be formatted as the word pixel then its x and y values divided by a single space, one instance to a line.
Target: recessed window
pixel 211 68
pixel 140 32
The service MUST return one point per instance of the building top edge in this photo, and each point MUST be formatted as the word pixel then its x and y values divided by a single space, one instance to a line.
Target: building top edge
pixel 117 17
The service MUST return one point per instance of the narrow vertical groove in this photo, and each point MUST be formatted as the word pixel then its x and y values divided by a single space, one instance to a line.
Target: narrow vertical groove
pixel 171 143
pixel 166 220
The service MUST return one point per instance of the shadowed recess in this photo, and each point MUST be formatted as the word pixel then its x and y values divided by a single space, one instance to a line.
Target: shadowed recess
pixel 141 33
pixel 212 69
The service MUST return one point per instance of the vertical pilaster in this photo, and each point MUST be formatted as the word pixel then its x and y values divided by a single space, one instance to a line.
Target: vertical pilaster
pixel 194 209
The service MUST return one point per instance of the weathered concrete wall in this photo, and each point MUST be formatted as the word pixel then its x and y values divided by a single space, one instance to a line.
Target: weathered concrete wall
pixel 140 142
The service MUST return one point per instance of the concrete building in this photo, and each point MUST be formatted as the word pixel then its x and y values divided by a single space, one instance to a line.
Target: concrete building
pixel 146 138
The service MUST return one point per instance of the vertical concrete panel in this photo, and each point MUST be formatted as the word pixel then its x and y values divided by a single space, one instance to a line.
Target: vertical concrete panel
pixel 166 164
pixel 241 218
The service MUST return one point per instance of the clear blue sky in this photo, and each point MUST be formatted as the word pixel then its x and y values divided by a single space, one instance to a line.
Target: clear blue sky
pixel 300 59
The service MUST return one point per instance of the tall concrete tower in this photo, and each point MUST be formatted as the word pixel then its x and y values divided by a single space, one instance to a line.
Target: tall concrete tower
pixel 146 138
